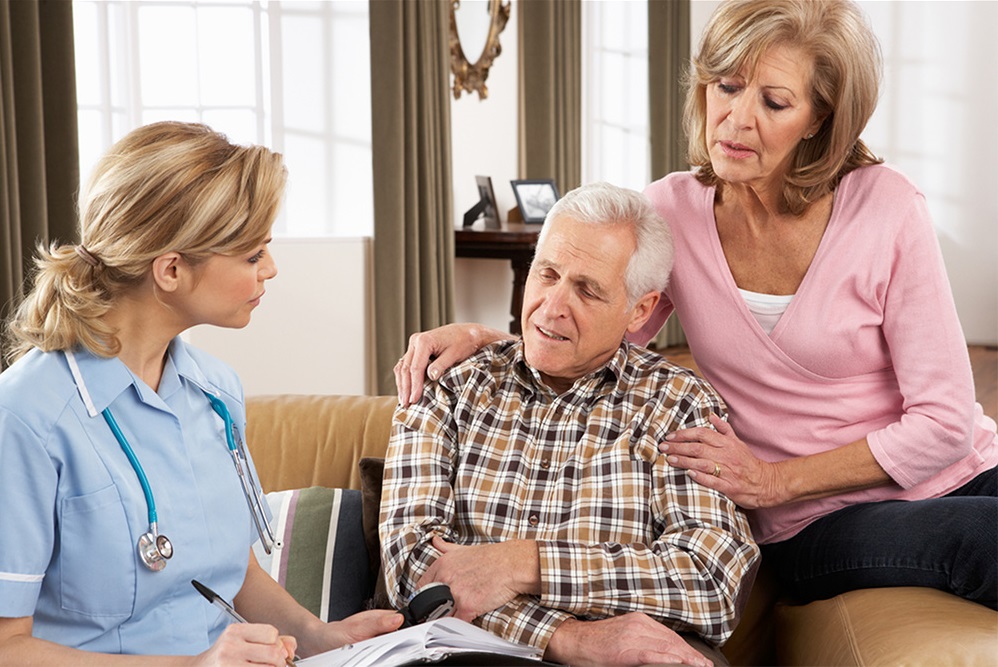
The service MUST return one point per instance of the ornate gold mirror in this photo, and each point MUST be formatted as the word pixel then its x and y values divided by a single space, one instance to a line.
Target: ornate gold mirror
pixel 474 42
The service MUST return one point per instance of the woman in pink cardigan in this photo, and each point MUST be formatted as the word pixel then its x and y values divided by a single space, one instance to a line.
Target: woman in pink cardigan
pixel 810 285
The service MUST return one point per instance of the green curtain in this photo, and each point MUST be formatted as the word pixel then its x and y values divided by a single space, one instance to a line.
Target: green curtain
pixel 413 208
pixel 550 77
pixel 668 60
pixel 39 155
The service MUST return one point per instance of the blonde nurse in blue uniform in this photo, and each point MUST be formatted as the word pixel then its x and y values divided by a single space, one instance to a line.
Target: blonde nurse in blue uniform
pixel 123 475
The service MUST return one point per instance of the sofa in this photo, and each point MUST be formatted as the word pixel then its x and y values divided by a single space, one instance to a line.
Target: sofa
pixel 330 449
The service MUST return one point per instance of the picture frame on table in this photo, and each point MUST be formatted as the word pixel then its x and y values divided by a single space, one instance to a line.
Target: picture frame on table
pixel 535 197
pixel 486 207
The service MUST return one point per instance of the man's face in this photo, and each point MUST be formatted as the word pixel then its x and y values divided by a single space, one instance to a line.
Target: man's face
pixel 575 310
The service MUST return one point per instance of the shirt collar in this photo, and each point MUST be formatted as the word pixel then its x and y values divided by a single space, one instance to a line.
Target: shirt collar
pixel 102 380
pixel 591 386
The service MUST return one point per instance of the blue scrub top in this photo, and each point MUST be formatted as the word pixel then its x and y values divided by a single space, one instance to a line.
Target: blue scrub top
pixel 72 508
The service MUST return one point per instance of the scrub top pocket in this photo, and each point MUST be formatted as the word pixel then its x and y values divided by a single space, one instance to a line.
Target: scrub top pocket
pixel 98 557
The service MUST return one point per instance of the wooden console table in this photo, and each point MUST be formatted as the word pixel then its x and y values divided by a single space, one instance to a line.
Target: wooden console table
pixel 514 241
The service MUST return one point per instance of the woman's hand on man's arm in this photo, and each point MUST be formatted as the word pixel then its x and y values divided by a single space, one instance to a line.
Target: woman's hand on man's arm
pixel 432 352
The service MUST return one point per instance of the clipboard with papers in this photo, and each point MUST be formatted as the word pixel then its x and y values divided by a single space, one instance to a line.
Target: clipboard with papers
pixel 445 640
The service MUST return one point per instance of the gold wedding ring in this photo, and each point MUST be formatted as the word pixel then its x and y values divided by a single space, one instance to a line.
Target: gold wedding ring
pixel 717 470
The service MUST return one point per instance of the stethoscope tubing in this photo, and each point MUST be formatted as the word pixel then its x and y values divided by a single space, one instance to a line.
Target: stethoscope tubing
pixel 136 466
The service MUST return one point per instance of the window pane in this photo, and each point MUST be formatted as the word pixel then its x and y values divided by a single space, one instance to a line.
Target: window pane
pixel 88 89
pixel 309 184
pixel 167 56
pixel 226 65
pixel 304 74
pixel 352 190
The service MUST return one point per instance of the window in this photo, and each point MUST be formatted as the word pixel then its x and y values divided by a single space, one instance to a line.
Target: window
pixel 292 75
pixel 615 137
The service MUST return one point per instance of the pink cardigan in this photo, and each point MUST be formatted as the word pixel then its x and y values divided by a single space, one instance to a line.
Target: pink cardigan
pixel 870 346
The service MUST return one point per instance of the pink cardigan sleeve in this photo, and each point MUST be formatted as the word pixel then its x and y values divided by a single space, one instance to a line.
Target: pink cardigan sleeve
pixel 929 356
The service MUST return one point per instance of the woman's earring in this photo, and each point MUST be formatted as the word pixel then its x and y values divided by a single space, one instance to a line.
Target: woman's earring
pixel 810 136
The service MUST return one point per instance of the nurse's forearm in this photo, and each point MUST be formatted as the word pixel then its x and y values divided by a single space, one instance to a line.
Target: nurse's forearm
pixel 263 600
pixel 848 468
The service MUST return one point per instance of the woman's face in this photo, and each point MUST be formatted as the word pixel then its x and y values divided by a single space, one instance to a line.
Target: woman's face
pixel 229 287
pixel 754 125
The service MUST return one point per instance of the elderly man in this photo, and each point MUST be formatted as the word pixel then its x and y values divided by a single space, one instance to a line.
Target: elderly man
pixel 528 477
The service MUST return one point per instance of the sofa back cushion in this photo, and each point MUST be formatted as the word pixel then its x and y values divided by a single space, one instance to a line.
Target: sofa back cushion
pixel 299 441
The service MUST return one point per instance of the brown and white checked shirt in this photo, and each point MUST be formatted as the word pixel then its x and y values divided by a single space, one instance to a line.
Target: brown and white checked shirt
pixel 491 454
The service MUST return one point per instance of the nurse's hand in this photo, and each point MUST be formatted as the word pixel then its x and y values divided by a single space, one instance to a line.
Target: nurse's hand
pixel 361 626
pixel 249 644
pixel 432 352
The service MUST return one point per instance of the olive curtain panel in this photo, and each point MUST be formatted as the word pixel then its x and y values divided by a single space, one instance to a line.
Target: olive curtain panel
pixel 550 78
pixel 413 208
pixel 39 158
pixel 668 62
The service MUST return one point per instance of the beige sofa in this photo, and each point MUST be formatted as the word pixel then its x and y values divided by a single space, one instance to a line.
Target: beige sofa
pixel 306 441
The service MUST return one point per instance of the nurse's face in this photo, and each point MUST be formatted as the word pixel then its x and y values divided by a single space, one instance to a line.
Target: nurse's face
pixel 229 287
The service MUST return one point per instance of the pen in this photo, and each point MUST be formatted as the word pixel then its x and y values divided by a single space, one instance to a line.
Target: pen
pixel 216 600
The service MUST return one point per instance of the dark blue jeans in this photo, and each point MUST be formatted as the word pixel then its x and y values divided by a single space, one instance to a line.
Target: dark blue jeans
pixel 949 543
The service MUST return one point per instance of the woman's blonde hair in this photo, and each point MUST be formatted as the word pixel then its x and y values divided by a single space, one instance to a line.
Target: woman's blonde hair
pixel 164 187
pixel 845 81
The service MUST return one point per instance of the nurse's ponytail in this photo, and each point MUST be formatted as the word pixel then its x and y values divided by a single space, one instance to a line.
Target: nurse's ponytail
pixel 65 306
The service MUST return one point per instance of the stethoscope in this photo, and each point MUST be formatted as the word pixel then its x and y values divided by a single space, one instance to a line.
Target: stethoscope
pixel 153 547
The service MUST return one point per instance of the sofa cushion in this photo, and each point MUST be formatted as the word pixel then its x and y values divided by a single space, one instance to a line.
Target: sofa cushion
pixel 302 441
pixel 324 562
pixel 888 626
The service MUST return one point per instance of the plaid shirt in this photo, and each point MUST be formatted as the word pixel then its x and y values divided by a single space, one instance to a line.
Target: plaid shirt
pixel 491 454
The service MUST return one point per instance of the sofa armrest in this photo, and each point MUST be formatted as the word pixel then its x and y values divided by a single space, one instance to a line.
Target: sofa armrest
pixel 299 441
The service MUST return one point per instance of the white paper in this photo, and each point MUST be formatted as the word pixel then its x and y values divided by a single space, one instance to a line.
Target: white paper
pixel 429 641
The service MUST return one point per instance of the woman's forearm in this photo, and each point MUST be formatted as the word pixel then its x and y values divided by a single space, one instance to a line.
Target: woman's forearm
pixel 848 468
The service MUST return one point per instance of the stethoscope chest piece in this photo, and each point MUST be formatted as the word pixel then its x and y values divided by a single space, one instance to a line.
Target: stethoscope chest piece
pixel 155 550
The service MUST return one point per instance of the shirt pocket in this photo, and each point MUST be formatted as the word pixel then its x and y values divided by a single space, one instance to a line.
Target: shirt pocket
pixel 97 557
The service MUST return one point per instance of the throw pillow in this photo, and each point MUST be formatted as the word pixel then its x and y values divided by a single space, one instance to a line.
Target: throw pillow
pixel 324 562
pixel 372 471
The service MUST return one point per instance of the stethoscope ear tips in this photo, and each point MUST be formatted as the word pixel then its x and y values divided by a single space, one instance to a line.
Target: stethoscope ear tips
pixel 154 551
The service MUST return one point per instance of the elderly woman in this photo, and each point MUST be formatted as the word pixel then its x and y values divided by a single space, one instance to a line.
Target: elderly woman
pixel 810 285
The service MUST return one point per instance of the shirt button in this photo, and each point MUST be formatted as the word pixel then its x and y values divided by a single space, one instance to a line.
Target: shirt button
pixel 533 520
pixel 546 463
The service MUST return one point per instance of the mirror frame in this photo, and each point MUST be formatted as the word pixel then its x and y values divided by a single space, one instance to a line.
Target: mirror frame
pixel 470 77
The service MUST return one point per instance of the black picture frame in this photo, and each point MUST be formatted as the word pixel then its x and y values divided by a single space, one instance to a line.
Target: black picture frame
pixel 486 207
pixel 535 197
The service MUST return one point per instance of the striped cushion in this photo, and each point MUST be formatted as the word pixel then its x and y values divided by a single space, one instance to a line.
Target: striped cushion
pixel 324 562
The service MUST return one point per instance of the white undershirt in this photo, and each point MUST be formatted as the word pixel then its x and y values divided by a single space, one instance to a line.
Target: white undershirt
pixel 766 308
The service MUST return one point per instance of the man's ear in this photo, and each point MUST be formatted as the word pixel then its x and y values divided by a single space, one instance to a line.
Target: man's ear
pixel 167 270
pixel 642 310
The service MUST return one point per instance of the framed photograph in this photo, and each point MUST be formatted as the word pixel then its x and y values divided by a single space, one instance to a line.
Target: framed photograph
pixel 486 206
pixel 535 197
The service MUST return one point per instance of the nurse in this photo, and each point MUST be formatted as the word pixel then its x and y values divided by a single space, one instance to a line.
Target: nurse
pixel 117 486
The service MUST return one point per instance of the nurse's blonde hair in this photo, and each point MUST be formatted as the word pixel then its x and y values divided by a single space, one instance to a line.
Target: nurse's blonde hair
pixel 165 187
pixel 844 84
